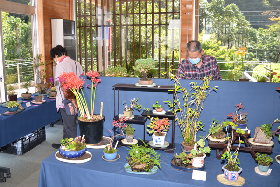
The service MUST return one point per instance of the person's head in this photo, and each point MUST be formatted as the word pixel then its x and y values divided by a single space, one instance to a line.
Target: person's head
pixel 57 52
pixel 195 52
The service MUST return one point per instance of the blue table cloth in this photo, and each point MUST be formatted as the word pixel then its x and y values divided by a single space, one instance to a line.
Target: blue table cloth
pixel 100 173
pixel 13 127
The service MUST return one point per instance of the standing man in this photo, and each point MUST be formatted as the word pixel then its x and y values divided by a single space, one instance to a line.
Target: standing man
pixel 65 64
pixel 197 65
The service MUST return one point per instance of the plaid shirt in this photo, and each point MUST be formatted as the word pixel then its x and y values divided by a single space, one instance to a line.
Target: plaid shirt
pixel 209 67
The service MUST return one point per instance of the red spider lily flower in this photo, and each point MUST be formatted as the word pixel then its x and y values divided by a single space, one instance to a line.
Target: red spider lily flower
pixel 70 81
pixel 274 73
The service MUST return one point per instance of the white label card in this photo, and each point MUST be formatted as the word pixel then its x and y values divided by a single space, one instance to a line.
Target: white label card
pixel 199 175
pixel 28 104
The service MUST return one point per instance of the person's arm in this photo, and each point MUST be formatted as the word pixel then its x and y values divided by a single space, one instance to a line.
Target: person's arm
pixel 180 72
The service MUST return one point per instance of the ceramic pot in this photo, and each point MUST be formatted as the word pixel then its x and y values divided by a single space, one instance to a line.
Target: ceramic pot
pixel 12 97
pixel 263 168
pixel 127 113
pixel 231 175
pixel 129 138
pixel 52 94
pixel 26 95
pixel 159 109
pixel 38 98
pixel 159 140
pixel 198 162
pixel 93 130
pixel 187 148
pixel 13 109
pixel 110 156
pixel 146 82
pixel 72 154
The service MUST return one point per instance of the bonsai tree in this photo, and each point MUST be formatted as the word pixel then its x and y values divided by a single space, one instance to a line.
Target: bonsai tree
pixel 216 130
pixel 26 85
pixel 263 159
pixel 158 126
pixel 200 150
pixel 143 66
pixel 10 79
pixel 157 107
pixel 183 159
pixel 133 105
pixel 129 130
pixel 264 134
pixel 188 105
pixel 142 159
pixel 238 116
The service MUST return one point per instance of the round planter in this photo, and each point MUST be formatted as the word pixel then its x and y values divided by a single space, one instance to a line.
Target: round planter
pixel 38 98
pixel 263 168
pixel 52 94
pixel 241 126
pixel 159 109
pixel 146 82
pixel 127 113
pixel 198 162
pixel 129 138
pixel 93 130
pixel 13 109
pixel 110 156
pixel 231 175
pixel 159 140
pixel 187 148
pixel 72 154
pixel 12 97
pixel 26 95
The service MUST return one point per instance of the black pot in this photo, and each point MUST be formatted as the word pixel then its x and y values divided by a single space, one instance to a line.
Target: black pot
pixel 12 97
pixel 92 130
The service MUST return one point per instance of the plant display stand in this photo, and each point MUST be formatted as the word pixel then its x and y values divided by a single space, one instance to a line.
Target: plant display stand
pixel 261 172
pixel 142 119
pixel 240 181
pixel 221 148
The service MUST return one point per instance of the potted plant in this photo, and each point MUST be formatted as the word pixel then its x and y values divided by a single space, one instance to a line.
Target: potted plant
pixel 129 131
pixel 10 88
pixel 53 91
pixel 199 153
pixel 158 127
pixel 39 68
pixel 12 106
pixel 142 159
pixel 143 66
pixel 264 134
pixel 217 131
pixel 232 169
pixel 91 125
pixel 183 160
pixel 157 107
pixel 127 112
pixel 73 148
pixel 264 161
pixel 239 117
pixel 26 95
pixel 188 111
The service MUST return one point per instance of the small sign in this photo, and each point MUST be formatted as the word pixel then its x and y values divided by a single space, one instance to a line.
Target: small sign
pixel 28 104
pixel 199 175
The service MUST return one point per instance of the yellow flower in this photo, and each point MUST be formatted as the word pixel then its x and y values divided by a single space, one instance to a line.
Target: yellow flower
pixel 242 51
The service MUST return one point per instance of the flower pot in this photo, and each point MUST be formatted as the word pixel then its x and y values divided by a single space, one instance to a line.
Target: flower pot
pixel 38 98
pixel 129 138
pixel 263 168
pixel 13 109
pixel 187 148
pixel 93 130
pixel 52 94
pixel 241 126
pixel 146 82
pixel 159 140
pixel 231 175
pixel 110 156
pixel 12 97
pixel 72 154
pixel 198 162
pixel 26 95
pixel 127 113
pixel 159 109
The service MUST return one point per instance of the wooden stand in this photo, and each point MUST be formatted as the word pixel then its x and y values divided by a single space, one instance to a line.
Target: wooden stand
pixel 239 182
pixel 221 148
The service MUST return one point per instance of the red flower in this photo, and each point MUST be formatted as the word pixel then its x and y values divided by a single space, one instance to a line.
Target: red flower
pixel 274 73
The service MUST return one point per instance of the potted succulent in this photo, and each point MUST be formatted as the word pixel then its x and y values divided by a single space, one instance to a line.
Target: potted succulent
pixel 143 66
pixel 91 125
pixel 199 153
pixel 10 88
pixel 12 106
pixel 142 159
pixel 239 117
pixel 26 95
pixel 232 169
pixel 187 112
pixel 127 112
pixel 73 148
pixel 129 131
pixel 264 161
pixel 158 127
pixel 157 107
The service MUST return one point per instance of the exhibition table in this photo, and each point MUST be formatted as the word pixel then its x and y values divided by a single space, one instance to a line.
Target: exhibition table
pixel 98 172
pixel 13 127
